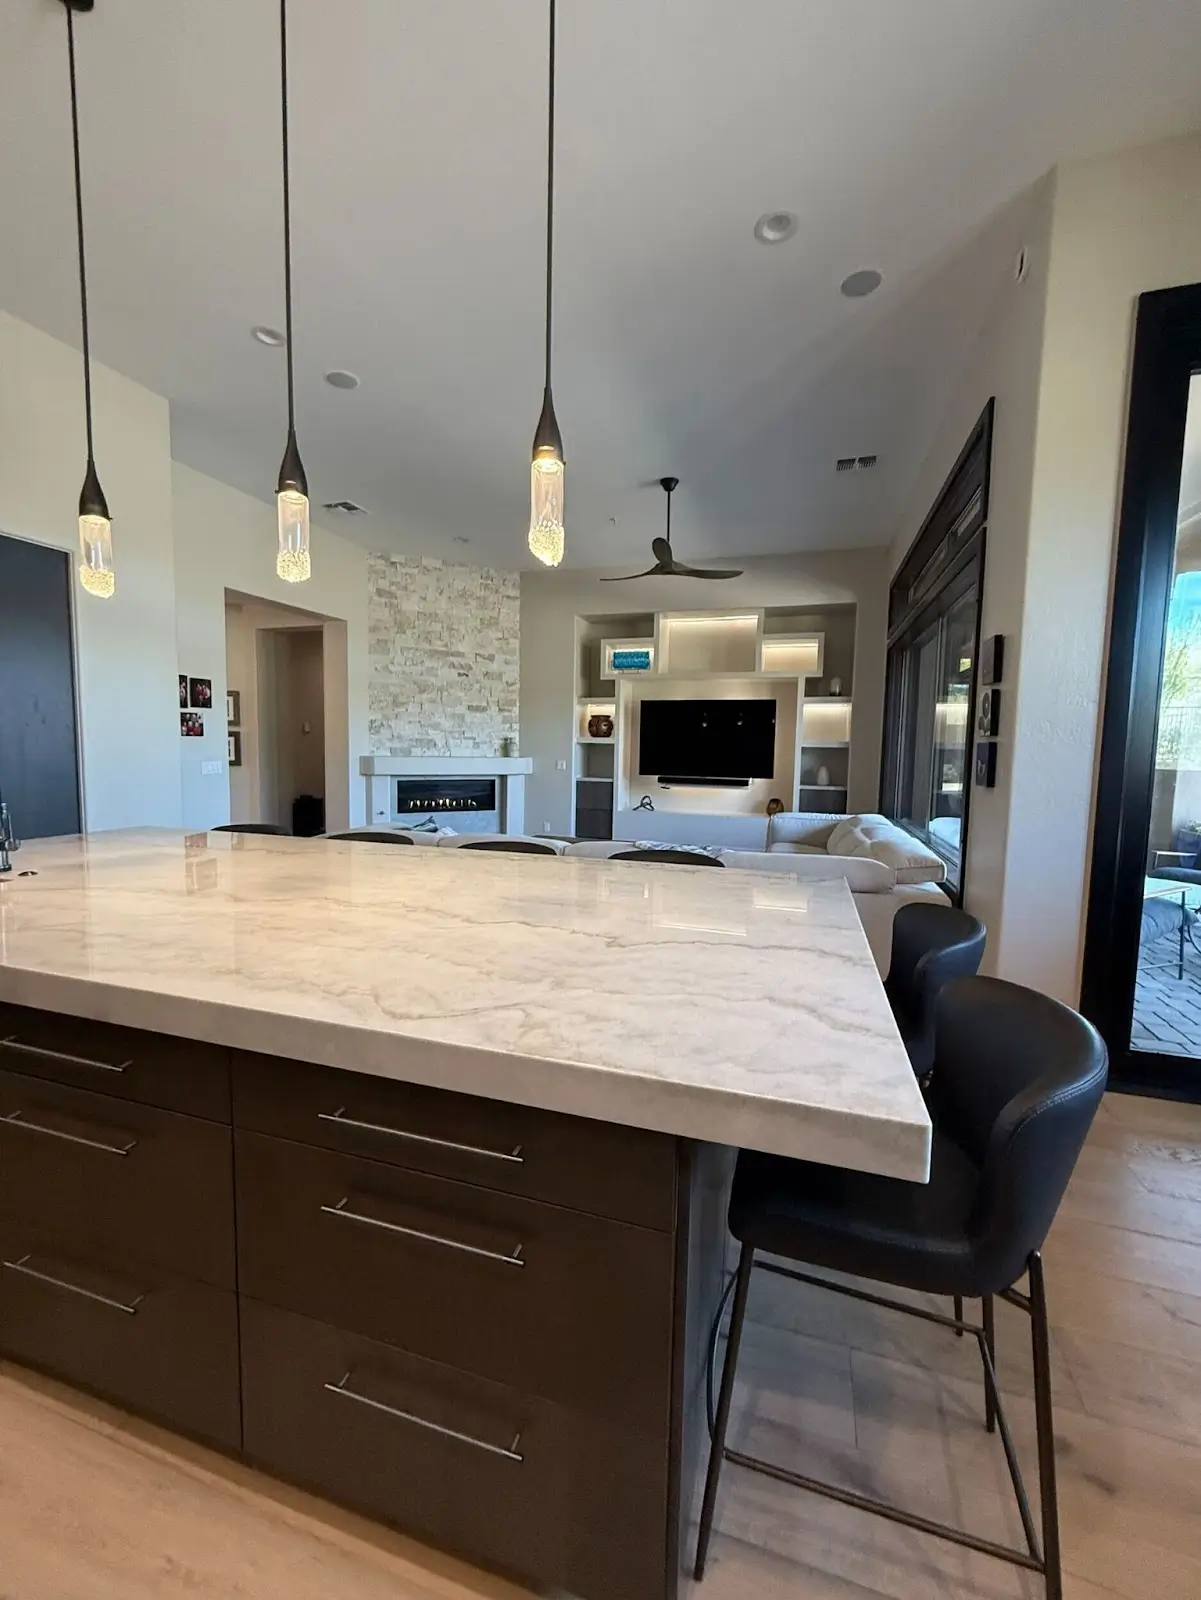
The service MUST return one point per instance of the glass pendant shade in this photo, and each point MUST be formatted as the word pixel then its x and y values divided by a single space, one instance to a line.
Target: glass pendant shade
pixel 96 573
pixel 546 539
pixel 293 563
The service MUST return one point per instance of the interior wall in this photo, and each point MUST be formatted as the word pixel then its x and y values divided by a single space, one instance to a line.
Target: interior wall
pixel 125 646
pixel 226 540
pixel 1003 364
pixel 552 601
pixel 1123 225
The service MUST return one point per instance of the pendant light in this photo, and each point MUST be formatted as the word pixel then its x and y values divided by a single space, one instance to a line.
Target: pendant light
pixel 294 562
pixel 546 537
pixel 95 525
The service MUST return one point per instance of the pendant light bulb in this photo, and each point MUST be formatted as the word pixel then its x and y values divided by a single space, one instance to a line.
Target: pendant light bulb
pixel 96 574
pixel 547 536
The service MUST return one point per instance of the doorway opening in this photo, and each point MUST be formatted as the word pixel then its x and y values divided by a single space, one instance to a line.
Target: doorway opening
pixel 288 757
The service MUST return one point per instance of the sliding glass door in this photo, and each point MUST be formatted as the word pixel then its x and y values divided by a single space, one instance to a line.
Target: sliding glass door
pixel 1142 981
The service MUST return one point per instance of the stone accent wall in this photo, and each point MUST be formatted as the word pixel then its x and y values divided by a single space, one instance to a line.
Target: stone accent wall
pixel 443 643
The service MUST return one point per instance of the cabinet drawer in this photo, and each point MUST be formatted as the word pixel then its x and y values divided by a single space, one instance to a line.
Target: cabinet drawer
pixel 622 1173
pixel 505 1479
pixel 158 1345
pixel 96 1175
pixel 550 1301
pixel 152 1068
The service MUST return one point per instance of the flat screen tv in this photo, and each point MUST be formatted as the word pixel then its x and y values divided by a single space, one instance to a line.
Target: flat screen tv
pixel 714 741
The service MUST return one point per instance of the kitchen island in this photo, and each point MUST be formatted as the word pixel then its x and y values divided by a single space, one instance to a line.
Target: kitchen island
pixel 402 1172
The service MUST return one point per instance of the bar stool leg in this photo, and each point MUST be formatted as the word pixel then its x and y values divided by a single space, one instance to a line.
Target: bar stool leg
pixel 1044 1422
pixel 990 1340
pixel 717 1447
pixel 959 1315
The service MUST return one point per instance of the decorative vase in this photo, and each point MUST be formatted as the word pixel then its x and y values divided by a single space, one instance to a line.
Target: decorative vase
pixel 823 777
pixel 508 747
pixel 600 727
pixel 835 686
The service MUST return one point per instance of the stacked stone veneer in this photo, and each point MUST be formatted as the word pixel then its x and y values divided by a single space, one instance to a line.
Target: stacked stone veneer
pixel 443 644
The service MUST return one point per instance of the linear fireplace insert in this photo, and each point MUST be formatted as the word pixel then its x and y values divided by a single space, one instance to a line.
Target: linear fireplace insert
pixel 444 794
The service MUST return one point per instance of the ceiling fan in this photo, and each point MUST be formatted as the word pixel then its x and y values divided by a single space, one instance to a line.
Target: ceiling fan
pixel 666 564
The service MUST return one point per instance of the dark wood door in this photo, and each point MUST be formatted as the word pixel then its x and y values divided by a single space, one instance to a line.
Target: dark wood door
pixel 39 759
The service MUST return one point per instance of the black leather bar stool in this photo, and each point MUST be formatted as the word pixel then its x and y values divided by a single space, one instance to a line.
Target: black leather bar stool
pixel 676 858
pixel 251 827
pixel 931 944
pixel 372 836
pixel 1018 1079
pixel 512 847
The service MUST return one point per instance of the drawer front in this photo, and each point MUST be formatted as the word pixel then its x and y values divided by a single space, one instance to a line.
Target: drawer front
pixel 622 1173
pixel 158 1345
pixel 97 1175
pixel 151 1068
pixel 552 1302
pixel 504 1479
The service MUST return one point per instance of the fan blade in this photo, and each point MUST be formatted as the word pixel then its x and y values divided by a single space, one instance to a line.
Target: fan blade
pixel 681 571
pixel 651 572
pixel 661 549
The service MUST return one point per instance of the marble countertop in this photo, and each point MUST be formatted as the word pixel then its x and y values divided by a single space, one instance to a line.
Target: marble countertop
pixel 718 1005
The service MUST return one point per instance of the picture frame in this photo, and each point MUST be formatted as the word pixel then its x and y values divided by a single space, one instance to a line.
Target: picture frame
pixel 992 659
pixel 191 725
pixel 988 722
pixel 233 707
pixel 183 691
pixel 200 694
pixel 233 747
pixel 986 764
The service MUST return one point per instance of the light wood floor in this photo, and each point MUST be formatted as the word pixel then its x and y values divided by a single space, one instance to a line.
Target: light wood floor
pixel 94 1505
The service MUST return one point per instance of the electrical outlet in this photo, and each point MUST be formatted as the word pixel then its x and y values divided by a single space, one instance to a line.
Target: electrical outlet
pixel 560 766
pixel 546 827
pixel 211 769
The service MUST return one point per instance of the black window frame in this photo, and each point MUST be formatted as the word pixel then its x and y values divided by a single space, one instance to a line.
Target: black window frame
pixel 943 566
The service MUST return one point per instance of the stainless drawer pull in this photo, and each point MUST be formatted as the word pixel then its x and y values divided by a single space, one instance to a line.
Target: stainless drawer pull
pixel 16 1119
pixel 72 1288
pixel 513 1260
pixel 339 1116
pixel 510 1454
pixel 13 1043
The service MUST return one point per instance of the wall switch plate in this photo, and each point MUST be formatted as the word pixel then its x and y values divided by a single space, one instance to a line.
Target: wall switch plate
pixel 560 766
pixel 546 827
pixel 211 769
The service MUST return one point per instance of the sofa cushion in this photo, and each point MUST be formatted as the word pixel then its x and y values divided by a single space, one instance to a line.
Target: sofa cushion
pixel 809 830
pixel 862 874
pixel 881 840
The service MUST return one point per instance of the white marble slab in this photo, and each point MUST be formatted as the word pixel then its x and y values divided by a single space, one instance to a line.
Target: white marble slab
pixel 718 1005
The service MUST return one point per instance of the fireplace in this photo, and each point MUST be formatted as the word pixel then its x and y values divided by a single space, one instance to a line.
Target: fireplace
pixel 432 796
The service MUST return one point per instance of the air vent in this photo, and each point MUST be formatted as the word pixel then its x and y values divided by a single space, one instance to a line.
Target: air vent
pixel 845 464
pixel 855 463
pixel 865 463
pixel 350 507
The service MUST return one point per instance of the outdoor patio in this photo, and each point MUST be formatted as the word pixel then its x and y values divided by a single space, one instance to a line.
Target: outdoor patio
pixel 1167 1009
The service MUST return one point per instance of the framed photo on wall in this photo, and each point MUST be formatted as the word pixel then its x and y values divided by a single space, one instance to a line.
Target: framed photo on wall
pixel 234 747
pixel 233 707
pixel 200 693
pixel 183 691
pixel 191 725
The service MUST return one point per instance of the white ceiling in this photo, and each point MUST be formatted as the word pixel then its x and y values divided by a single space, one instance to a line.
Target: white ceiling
pixel 895 128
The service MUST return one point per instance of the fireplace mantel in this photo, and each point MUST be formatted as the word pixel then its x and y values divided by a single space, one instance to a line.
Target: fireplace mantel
pixel 380 774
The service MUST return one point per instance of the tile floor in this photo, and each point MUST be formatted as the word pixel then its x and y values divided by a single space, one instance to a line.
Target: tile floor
pixel 96 1506
pixel 1167 1009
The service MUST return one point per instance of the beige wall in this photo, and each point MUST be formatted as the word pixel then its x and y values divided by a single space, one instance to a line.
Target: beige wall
pixel 226 540
pixel 125 647
pixel 1056 354
pixel 551 602
pixel 1004 364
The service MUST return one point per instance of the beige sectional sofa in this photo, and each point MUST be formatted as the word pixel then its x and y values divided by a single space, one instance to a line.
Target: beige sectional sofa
pixel 884 866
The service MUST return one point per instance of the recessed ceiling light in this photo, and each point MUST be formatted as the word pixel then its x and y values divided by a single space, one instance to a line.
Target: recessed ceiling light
pixel 859 284
pixel 773 227
pixel 268 336
pixel 337 379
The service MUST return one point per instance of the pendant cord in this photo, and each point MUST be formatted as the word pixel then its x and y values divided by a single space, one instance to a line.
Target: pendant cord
pixel 83 274
pixel 283 74
pixel 550 193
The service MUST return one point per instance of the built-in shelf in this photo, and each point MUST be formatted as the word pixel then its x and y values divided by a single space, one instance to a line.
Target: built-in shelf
pixel 832 788
pixel 827 744
pixel 588 739
pixel 800 655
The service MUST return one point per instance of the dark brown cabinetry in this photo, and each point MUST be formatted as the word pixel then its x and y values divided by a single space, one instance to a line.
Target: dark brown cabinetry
pixel 463 1316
